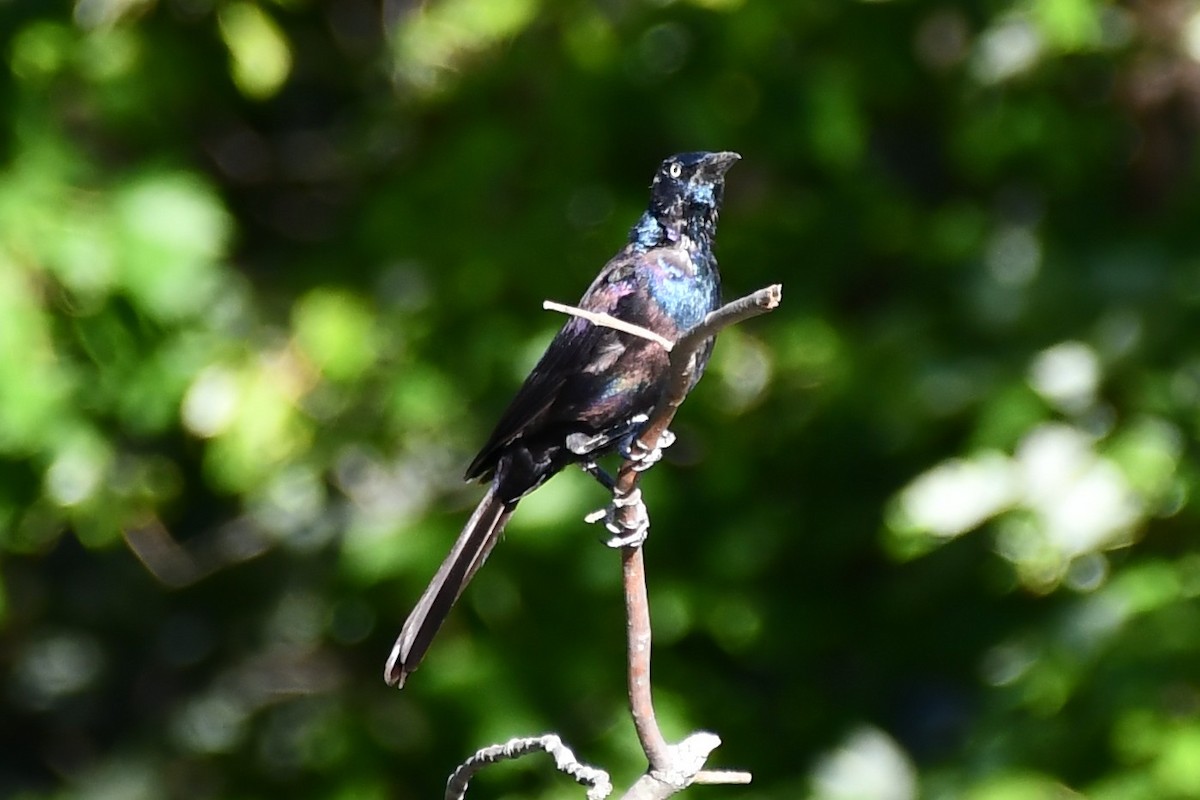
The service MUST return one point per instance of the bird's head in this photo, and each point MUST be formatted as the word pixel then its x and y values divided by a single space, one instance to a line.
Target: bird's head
pixel 686 193
pixel 689 183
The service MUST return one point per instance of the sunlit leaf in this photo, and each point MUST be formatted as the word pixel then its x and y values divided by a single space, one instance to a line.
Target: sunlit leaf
pixel 172 229
pixel 260 56
pixel 337 331
pixel 433 40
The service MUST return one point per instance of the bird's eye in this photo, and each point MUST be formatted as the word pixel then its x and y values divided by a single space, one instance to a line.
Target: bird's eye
pixel 675 170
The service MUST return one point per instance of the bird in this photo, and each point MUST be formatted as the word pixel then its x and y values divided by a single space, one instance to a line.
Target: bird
pixel 594 387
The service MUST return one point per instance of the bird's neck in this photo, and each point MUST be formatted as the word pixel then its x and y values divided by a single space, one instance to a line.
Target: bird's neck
pixel 694 231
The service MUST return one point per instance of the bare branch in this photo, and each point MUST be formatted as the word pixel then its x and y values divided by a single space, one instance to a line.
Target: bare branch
pixel 597 780
pixel 682 357
pixel 672 767
pixel 637 615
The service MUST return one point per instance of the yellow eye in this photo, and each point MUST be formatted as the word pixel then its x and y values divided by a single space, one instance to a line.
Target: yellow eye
pixel 675 170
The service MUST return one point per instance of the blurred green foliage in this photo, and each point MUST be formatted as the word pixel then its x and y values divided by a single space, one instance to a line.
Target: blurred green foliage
pixel 269 270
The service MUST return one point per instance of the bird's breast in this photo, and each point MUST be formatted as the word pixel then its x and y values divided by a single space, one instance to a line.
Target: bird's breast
pixel 681 291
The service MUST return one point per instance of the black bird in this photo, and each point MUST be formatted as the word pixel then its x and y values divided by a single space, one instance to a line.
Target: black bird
pixel 594 387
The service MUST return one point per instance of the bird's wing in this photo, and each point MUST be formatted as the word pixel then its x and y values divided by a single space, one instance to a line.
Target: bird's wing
pixel 577 345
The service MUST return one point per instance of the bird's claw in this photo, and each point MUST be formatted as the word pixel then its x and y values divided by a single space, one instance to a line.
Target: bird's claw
pixel 628 528
pixel 642 458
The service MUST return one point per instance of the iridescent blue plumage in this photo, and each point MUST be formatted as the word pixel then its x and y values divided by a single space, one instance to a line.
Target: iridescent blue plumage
pixel 594 386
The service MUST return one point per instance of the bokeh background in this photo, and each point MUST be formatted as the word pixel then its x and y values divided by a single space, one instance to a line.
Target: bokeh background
pixel 270 269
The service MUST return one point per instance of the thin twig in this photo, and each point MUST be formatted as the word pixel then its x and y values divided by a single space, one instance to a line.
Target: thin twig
pixel 723 777
pixel 608 321
pixel 597 780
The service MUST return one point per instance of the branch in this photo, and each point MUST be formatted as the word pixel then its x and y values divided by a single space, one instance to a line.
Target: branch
pixel 672 767
pixel 683 366
pixel 637 616
pixel 597 780
pixel 687 767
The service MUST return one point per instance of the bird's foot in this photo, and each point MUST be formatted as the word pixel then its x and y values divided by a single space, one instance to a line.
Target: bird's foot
pixel 629 528
pixel 644 459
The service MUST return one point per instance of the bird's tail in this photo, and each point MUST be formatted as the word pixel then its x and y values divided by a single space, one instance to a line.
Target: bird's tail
pixel 468 554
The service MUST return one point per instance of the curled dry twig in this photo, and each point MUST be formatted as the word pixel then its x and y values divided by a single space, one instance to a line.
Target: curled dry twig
pixel 597 780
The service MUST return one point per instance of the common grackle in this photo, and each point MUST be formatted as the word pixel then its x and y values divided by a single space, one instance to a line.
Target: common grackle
pixel 594 387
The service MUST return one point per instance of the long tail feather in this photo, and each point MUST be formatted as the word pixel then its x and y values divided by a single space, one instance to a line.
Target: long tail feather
pixel 470 550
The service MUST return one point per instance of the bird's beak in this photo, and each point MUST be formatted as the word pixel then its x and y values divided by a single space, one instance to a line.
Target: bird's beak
pixel 716 164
